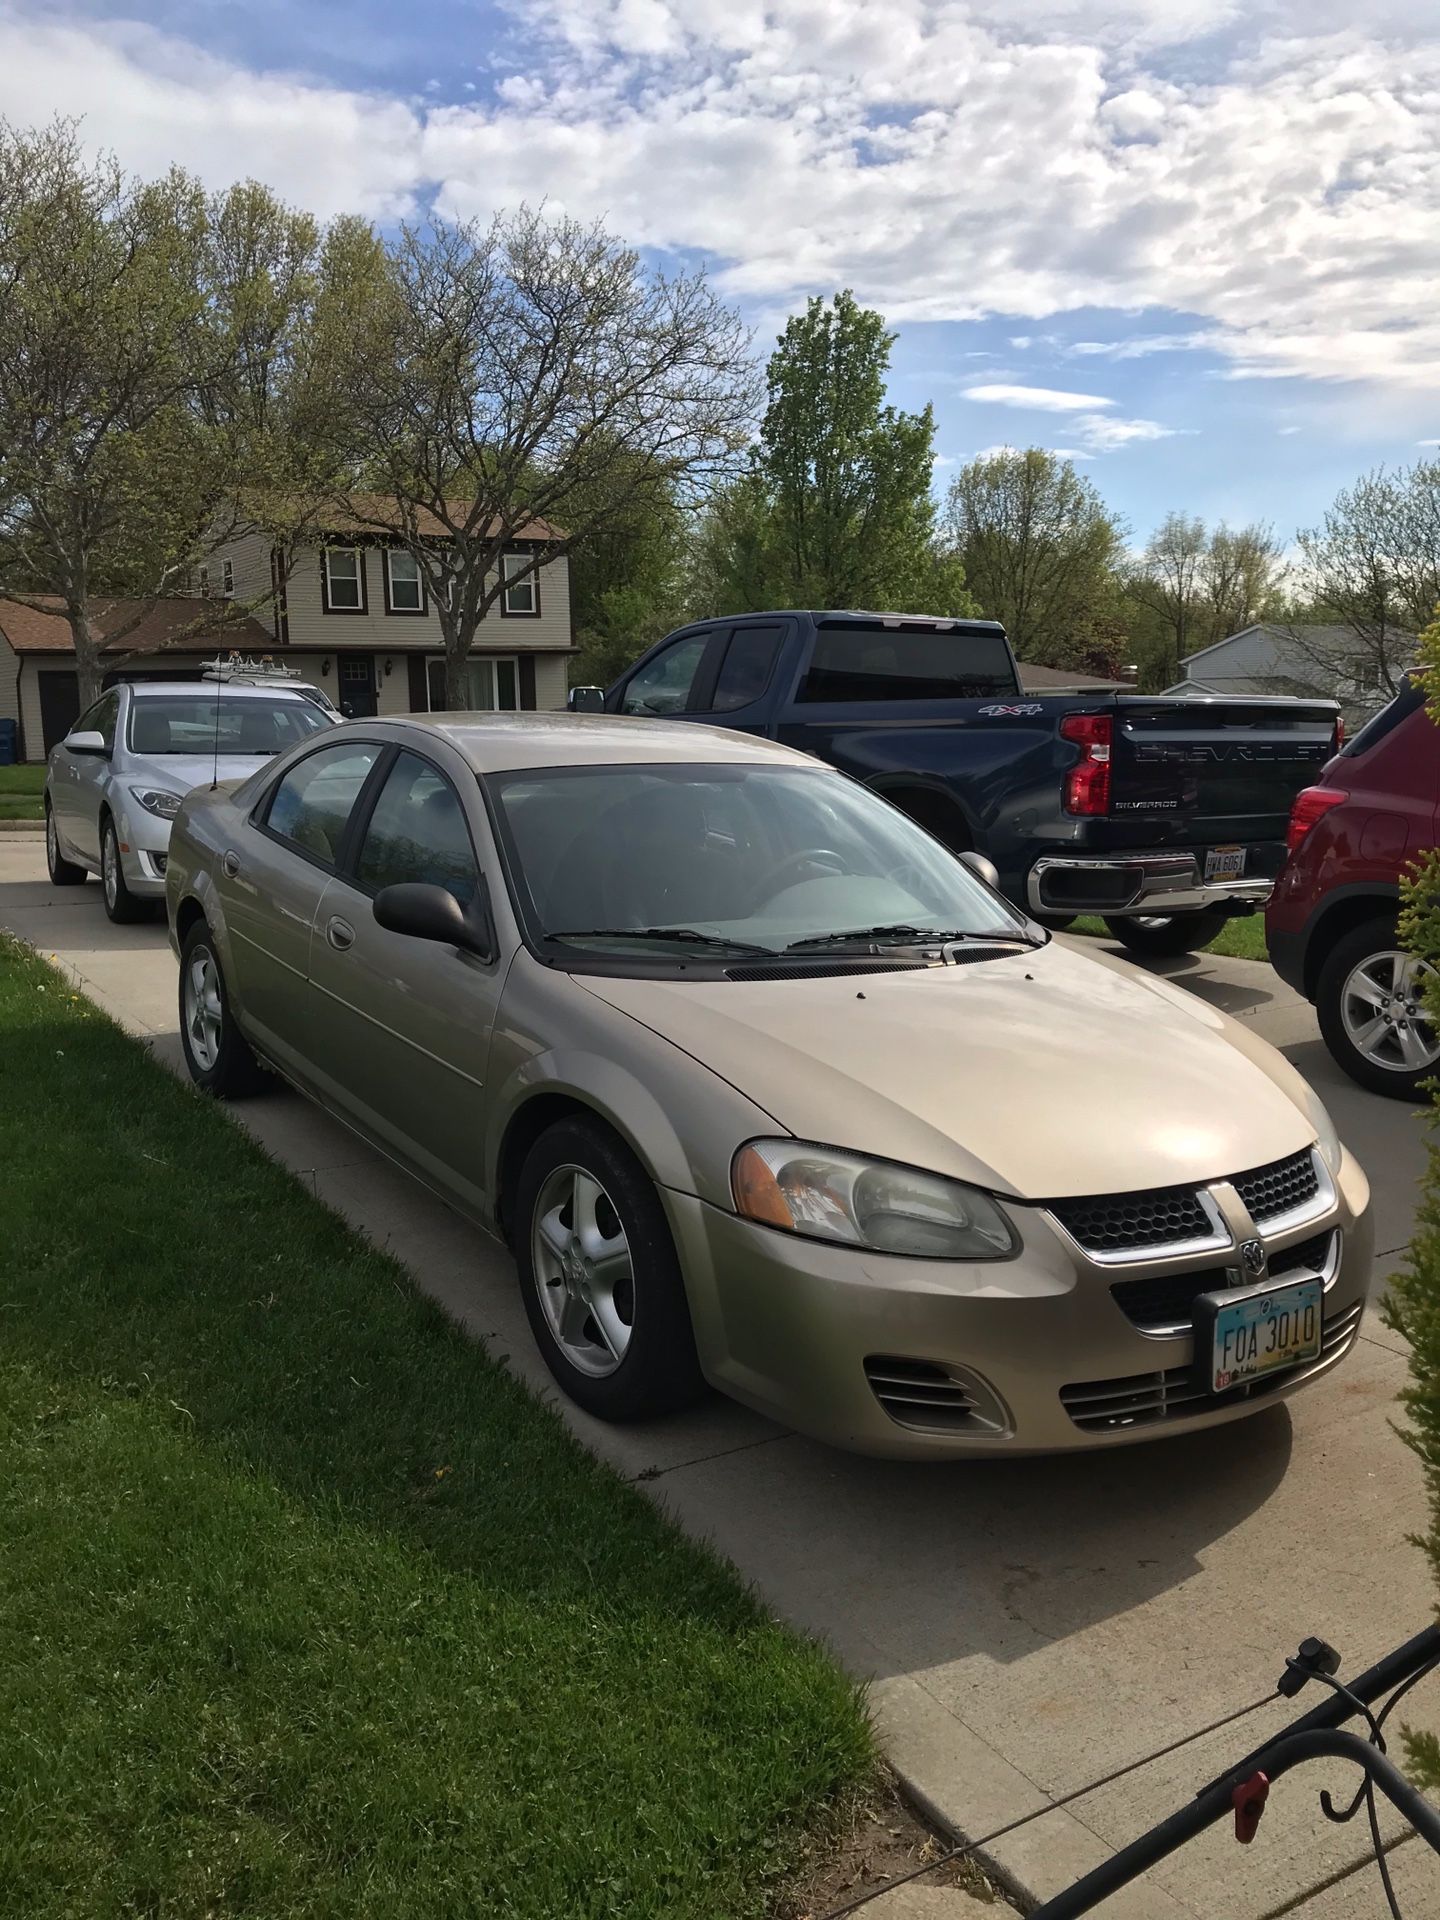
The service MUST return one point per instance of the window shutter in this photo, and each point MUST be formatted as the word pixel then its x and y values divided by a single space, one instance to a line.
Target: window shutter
pixel 527 684
pixel 415 665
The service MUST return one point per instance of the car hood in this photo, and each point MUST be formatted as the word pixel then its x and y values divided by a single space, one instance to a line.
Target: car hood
pixel 1044 1074
pixel 179 772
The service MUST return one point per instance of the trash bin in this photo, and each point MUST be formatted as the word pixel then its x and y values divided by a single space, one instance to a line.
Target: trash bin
pixel 9 742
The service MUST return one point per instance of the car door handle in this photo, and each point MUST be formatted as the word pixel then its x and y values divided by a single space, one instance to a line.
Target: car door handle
pixel 340 934
pixel 230 865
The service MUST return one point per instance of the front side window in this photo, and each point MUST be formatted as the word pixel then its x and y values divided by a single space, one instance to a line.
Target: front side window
pixel 101 719
pixel 522 596
pixel 207 723
pixel 872 661
pixel 608 860
pixel 663 684
pixel 418 833
pixel 344 580
pixel 313 801
pixel 406 591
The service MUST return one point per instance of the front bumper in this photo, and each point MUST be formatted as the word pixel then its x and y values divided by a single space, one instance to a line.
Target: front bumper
pixel 833 1340
pixel 1149 883
pixel 144 850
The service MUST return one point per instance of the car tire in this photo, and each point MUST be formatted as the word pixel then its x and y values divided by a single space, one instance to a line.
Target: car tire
pixel 605 1298
pixel 217 1054
pixel 1156 935
pixel 120 903
pixel 1365 961
pixel 63 872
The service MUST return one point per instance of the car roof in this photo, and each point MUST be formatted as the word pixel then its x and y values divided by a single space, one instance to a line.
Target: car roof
pixel 505 742
pixel 231 689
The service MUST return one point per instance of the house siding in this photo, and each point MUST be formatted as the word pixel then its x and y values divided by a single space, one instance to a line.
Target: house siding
pixel 9 683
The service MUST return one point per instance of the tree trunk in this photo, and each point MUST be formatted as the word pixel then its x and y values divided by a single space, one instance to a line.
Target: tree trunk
pixel 87 656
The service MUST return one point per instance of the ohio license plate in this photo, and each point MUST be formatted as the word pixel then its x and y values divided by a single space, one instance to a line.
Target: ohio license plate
pixel 1261 1332
pixel 1224 863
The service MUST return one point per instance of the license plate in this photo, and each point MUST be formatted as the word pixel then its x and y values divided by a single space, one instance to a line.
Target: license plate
pixel 1224 863
pixel 1261 1332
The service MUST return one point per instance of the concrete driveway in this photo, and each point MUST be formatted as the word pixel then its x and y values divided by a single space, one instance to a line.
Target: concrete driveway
pixel 1028 1625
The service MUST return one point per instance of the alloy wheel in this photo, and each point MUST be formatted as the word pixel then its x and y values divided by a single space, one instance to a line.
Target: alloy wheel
pixel 204 1014
pixel 584 1273
pixel 1383 1010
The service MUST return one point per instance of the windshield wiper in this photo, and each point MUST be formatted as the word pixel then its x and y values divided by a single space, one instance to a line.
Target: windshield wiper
pixel 680 936
pixel 903 936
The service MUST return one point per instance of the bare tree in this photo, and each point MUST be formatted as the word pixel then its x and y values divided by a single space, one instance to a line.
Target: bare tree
pixel 1373 570
pixel 517 387
pixel 1199 585
pixel 148 350
pixel 1240 576
pixel 1039 548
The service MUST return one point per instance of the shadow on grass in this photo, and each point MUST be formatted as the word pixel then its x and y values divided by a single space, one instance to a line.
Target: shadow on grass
pixel 263 1496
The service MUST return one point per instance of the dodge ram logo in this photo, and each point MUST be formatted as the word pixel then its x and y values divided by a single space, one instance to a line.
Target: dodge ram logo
pixel 1253 1254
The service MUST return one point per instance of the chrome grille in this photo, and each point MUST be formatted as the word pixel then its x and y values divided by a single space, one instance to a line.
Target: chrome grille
pixel 1280 1187
pixel 1149 1399
pixel 1120 1222
pixel 932 1397
pixel 1166 1301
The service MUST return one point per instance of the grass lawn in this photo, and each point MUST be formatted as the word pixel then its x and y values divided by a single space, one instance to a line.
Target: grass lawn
pixel 20 793
pixel 308 1608
pixel 1240 939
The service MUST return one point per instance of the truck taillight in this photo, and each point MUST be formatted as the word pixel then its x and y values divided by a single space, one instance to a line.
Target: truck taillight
pixel 1311 804
pixel 1087 785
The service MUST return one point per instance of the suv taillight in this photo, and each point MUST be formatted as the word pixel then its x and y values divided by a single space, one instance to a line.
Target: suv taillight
pixel 1087 785
pixel 1311 804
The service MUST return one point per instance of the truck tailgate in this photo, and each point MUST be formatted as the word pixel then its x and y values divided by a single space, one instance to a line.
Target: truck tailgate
pixel 1214 770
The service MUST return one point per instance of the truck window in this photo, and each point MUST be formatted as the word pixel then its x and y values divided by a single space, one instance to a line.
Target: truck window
pixel 745 673
pixel 663 684
pixel 852 661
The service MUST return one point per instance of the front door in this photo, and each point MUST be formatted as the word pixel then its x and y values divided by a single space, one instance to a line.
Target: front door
pixel 400 1030
pixel 357 685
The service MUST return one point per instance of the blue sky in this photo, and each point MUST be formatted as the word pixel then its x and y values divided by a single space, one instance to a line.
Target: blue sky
pixel 1196 243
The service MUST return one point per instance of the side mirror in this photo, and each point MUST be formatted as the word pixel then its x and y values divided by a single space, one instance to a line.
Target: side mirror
pixel 86 742
pixel 586 700
pixel 983 869
pixel 433 913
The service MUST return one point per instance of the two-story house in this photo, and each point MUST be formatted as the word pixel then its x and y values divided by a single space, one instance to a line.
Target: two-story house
pixel 354 618
pixel 1270 658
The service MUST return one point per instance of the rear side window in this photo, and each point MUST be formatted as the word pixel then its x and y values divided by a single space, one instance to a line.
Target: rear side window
pixel 313 801
pixel 1410 697
pixel 862 662
pixel 745 671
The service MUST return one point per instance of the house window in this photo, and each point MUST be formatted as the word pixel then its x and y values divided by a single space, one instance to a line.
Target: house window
pixel 204 581
pixel 344 580
pixel 404 588
pixel 493 685
pixel 227 578
pixel 523 597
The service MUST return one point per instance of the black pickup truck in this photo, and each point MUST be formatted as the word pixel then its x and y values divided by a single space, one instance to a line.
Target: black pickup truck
pixel 1162 815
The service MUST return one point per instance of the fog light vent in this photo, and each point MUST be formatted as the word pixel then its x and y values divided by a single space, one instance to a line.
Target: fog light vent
pixel 931 1396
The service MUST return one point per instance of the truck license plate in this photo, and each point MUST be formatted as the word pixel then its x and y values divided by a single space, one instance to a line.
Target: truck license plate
pixel 1265 1331
pixel 1224 863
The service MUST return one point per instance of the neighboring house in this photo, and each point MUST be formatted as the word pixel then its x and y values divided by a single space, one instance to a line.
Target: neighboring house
pixel 1302 661
pixel 354 618
pixel 1061 680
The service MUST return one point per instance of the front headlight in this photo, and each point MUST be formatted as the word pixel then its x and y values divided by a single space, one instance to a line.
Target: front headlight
pixel 1326 1137
pixel 825 1194
pixel 158 800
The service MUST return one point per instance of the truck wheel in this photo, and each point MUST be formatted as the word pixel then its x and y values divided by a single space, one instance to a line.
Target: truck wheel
pixel 1369 999
pixel 1157 934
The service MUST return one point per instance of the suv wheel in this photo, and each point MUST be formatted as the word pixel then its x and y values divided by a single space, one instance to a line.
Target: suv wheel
pixel 1370 1002
pixel 600 1278
pixel 216 1052
pixel 63 872
pixel 120 903
pixel 1158 934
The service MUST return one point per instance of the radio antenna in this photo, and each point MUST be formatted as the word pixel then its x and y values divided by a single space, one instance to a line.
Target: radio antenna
pixel 215 754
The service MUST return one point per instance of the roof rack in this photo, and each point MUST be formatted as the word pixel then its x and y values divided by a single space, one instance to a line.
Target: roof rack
pixel 251 672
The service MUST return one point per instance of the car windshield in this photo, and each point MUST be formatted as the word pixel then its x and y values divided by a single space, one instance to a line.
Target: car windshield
pixel 202 722
pixel 687 862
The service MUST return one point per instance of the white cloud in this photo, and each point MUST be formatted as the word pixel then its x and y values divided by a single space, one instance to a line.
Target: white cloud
pixel 946 158
pixel 1043 399
pixel 1427 443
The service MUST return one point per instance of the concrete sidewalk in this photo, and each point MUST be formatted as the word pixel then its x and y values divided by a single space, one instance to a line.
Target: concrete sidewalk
pixel 1027 1625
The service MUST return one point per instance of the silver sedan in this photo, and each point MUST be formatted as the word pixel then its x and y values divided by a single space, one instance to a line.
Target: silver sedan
pixel 767 1088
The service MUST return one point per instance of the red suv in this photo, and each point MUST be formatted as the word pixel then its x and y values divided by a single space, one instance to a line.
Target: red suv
pixel 1330 924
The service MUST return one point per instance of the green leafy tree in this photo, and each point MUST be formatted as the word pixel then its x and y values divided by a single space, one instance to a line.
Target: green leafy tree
pixel 837 510
pixel 1373 567
pixel 151 346
pixel 1040 551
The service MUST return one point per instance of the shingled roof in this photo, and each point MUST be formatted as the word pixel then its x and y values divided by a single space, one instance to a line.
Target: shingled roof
pixel 169 623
